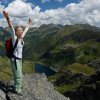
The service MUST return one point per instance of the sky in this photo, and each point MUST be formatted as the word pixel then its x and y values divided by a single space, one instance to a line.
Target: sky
pixel 64 12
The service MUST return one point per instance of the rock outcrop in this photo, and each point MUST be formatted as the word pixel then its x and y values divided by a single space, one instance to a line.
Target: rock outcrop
pixel 86 92
pixel 35 87
pixel 90 90
pixel 95 64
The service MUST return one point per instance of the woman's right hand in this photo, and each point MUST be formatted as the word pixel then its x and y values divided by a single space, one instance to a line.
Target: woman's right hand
pixel 5 14
pixel 7 18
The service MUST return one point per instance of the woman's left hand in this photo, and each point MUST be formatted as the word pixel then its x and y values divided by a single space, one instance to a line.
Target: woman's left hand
pixel 30 21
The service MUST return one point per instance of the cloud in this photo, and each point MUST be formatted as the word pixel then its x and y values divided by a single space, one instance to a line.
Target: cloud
pixel 19 8
pixel 87 11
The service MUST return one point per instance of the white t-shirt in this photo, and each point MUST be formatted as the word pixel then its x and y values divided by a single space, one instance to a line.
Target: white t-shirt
pixel 19 49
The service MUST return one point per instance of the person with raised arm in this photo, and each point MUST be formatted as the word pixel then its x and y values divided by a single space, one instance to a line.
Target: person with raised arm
pixel 17 36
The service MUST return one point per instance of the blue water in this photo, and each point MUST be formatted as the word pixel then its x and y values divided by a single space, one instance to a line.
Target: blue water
pixel 42 69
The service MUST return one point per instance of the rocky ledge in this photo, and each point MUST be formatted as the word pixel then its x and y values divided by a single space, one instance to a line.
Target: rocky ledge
pixel 35 87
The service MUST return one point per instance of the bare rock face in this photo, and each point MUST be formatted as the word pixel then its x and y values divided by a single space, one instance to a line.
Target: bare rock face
pixel 35 87
pixel 2 95
pixel 2 91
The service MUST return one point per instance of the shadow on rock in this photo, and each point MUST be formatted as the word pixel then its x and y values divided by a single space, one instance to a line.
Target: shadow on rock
pixel 6 89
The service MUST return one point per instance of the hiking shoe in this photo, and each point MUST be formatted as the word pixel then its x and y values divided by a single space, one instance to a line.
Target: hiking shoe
pixel 10 89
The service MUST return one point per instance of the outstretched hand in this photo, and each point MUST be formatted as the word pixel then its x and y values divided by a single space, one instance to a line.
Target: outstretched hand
pixel 5 14
pixel 30 21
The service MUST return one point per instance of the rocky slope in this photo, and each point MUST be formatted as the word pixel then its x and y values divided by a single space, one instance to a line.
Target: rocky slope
pixel 35 87
pixel 90 90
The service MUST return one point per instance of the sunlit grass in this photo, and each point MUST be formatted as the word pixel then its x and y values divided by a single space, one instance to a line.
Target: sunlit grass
pixel 6 69
pixel 67 87
pixel 80 68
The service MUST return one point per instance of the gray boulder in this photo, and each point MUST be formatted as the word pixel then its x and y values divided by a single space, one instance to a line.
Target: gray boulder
pixel 2 95
pixel 35 87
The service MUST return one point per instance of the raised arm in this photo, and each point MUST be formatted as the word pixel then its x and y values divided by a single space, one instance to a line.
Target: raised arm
pixel 11 26
pixel 7 18
pixel 8 21
pixel 27 27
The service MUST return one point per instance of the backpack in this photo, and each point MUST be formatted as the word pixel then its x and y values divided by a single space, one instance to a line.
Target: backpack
pixel 9 47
